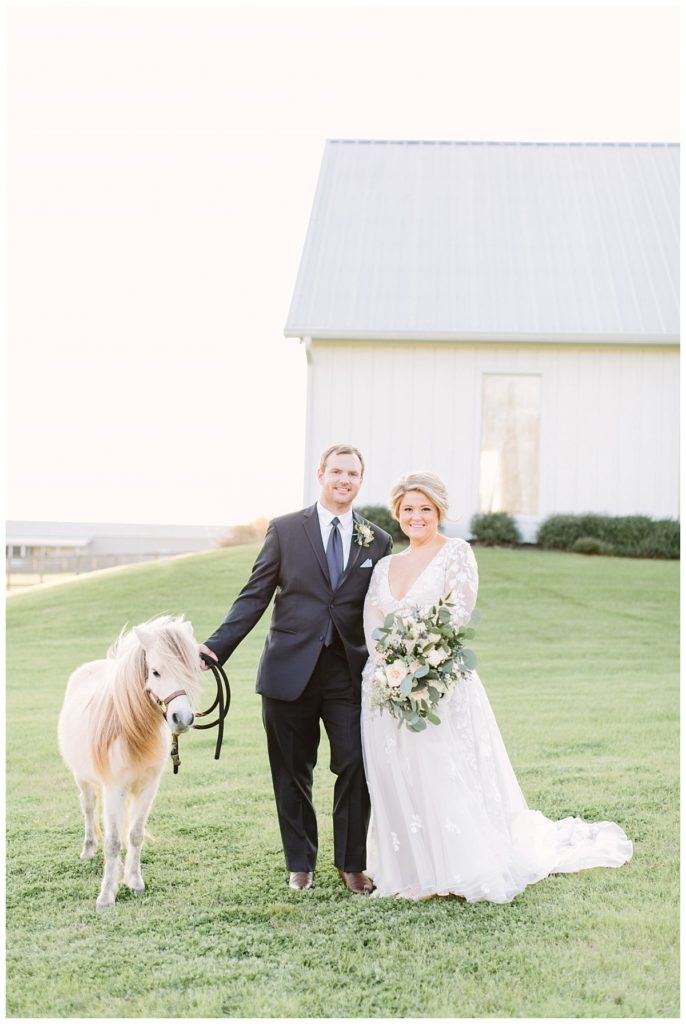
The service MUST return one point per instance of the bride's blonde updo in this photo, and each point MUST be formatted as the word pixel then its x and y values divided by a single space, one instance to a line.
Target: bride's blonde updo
pixel 429 484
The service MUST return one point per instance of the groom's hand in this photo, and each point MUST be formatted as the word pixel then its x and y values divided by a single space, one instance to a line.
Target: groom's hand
pixel 202 649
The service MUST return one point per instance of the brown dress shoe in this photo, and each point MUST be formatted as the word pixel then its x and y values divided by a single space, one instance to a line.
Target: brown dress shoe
pixel 301 880
pixel 356 882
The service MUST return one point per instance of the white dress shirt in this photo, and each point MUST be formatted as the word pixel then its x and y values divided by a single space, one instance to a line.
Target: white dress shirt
pixel 345 528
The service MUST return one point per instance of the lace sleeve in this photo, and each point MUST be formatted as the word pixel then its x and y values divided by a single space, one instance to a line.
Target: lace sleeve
pixel 373 614
pixel 462 581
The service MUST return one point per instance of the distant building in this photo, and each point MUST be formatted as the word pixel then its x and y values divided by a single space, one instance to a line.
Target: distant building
pixel 45 548
pixel 505 314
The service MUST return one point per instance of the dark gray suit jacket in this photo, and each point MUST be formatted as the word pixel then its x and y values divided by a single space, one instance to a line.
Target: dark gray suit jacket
pixel 292 563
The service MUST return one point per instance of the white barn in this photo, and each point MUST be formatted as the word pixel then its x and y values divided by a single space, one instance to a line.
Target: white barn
pixel 505 314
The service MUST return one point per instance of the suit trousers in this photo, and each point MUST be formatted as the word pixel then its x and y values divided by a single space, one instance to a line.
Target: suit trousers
pixel 293 733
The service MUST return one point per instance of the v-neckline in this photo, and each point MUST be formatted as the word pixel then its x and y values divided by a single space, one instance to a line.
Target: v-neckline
pixel 416 580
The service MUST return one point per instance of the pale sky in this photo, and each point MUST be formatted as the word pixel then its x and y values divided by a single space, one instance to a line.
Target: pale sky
pixel 162 163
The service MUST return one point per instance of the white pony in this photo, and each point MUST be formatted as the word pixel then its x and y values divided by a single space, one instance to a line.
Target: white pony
pixel 115 733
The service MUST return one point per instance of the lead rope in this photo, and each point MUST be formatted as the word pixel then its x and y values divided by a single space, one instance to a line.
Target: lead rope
pixel 176 760
pixel 222 701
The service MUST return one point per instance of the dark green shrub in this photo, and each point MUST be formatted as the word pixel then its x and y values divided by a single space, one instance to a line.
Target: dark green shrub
pixel 495 528
pixel 664 540
pixel 381 515
pixel 591 546
pixel 629 536
pixel 562 532
pixel 626 533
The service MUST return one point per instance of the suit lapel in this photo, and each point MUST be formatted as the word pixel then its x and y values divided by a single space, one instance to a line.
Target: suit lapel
pixel 355 554
pixel 314 535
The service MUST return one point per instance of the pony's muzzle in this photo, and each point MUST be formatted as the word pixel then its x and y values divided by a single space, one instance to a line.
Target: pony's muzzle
pixel 181 720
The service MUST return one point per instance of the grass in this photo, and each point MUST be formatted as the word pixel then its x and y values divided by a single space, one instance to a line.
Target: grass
pixel 579 657
pixel 19 580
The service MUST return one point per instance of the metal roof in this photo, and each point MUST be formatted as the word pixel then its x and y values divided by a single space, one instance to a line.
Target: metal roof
pixel 492 241
pixel 63 533
pixel 18 540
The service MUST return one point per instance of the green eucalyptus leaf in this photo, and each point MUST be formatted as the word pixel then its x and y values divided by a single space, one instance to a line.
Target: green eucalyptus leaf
pixel 406 686
pixel 468 659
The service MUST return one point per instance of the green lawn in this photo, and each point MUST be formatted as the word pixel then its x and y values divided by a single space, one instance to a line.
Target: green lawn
pixel 579 656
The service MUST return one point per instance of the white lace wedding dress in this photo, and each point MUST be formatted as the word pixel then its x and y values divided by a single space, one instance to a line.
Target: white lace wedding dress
pixel 448 815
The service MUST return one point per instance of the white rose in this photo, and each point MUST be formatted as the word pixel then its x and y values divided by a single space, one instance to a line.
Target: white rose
pixel 395 673
pixel 436 657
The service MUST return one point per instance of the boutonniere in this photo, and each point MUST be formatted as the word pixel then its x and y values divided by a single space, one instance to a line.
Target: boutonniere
pixel 363 535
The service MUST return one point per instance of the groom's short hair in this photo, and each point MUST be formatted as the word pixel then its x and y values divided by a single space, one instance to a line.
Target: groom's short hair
pixel 341 449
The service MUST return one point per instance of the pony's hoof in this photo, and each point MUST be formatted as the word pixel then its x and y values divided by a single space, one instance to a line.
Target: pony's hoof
pixel 104 902
pixel 136 885
pixel 88 851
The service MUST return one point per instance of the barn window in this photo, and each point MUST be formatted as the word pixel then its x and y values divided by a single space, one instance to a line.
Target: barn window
pixel 510 416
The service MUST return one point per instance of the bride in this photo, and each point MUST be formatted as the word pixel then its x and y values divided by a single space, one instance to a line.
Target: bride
pixel 448 815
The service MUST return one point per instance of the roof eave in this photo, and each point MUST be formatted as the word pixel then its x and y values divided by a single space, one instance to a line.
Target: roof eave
pixel 476 336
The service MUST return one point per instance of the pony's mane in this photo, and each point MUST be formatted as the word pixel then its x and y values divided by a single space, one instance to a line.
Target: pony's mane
pixel 123 710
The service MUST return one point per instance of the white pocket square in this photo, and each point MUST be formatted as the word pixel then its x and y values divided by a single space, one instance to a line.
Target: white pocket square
pixel 367 564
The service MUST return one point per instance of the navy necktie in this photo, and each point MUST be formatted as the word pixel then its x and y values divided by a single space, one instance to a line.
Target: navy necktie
pixel 334 553
pixel 334 559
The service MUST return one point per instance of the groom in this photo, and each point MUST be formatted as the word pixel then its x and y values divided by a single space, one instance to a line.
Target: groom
pixel 319 562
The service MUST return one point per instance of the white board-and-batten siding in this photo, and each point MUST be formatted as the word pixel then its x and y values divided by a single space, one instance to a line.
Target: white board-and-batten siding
pixel 608 442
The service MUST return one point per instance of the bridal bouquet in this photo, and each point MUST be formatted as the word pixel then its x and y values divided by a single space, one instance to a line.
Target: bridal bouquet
pixel 421 657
